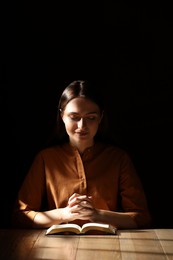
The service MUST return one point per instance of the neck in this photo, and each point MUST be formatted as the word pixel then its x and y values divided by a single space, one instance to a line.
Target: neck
pixel 82 147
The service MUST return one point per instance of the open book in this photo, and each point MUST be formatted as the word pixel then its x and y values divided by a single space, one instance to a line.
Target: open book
pixel 90 228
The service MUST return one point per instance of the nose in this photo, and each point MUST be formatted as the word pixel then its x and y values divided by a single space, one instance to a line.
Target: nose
pixel 82 123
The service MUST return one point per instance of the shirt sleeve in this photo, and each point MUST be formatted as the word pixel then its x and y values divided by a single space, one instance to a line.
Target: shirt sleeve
pixel 133 198
pixel 29 199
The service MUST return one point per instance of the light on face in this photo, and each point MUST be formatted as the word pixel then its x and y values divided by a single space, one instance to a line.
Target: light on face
pixel 88 118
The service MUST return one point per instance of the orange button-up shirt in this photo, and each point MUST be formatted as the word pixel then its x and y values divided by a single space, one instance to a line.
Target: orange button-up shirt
pixel 104 172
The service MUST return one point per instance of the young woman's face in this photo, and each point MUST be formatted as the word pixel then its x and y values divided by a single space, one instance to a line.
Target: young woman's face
pixel 81 117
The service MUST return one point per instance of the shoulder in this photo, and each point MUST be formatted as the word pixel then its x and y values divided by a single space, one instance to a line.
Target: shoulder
pixel 60 150
pixel 112 148
pixel 49 151
pixel 114 151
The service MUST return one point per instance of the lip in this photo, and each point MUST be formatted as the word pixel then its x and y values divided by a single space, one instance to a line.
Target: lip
pixel 82 133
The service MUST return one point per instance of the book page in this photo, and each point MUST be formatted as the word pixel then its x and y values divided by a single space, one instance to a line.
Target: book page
pixel 106 228
pixel 64 228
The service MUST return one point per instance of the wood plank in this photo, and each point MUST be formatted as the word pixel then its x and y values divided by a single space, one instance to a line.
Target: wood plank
pixel 140 245
pixel 17 243
pixel 165 237
pixel 98 247
pixel 55 247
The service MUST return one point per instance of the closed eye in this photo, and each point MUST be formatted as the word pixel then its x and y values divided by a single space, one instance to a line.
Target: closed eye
pixel 78 118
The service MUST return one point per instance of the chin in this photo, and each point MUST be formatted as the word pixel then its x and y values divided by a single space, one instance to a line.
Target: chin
pixel 82 137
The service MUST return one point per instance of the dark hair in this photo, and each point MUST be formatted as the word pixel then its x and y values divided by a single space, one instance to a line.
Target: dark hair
pixel 86 89
pixel 80 88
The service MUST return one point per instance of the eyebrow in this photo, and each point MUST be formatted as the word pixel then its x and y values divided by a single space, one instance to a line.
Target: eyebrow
pixel 89 113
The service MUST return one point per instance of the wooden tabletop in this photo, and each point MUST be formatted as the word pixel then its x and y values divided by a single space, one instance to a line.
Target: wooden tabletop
pixel 154 244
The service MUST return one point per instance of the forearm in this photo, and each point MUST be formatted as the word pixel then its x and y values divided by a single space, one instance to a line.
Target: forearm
pixel 47 218
pixel 122 220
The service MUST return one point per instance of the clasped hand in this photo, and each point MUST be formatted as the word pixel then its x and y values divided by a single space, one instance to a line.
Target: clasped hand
pixel 80 207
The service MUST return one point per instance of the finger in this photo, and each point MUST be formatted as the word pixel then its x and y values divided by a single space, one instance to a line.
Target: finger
pixel 76 197
pixel 77 200
pixel 86 204
pixel 76 209
pixel 73 196
pixel 81 211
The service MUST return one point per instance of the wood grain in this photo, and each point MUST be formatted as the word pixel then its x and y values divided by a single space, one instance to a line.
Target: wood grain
pixel 154 244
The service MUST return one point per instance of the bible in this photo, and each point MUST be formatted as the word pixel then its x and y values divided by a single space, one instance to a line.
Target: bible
pixel 89 228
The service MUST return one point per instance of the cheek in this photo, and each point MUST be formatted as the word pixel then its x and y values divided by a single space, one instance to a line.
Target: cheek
pixel 94 128
pixel 69 127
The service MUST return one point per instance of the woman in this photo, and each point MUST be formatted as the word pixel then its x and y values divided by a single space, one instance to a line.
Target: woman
pixel 82 178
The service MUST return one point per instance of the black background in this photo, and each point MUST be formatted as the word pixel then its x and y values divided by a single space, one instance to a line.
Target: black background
pixel 126 49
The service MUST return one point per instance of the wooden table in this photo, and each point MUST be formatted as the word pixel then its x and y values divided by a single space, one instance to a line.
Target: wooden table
pixel 32 244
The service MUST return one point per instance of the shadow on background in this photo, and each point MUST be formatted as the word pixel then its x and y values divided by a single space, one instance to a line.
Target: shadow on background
pixel 128 49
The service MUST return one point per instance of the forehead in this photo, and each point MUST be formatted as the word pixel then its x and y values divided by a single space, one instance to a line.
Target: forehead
pixel 81 105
